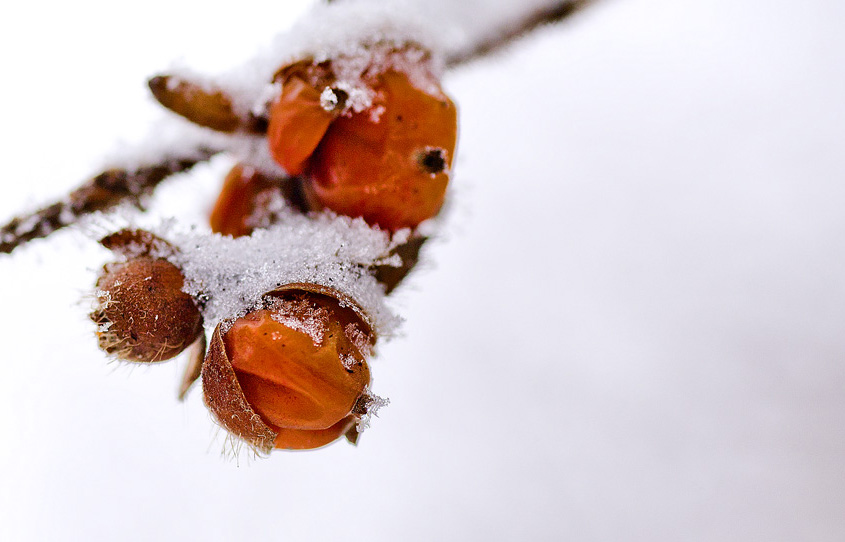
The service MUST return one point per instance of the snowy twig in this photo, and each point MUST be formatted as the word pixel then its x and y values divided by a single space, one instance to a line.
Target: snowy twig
pixel 114 186
pixel 101 193
pixel 532 20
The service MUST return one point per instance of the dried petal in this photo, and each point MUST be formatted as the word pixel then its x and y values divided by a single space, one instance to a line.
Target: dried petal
pixel 196 356
pixel 209 108
pixel 225 398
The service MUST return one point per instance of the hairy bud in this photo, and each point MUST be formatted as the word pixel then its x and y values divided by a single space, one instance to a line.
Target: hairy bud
pixel 142 313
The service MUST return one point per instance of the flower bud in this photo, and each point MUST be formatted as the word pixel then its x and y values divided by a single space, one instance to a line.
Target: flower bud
pixel 251 199
pixel 389 164
pixel 387 160
pixel 142 313
pixel 289 375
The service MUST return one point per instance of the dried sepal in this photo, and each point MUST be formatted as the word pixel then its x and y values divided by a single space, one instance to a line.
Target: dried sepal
pixel 409 252
pixel 193 369
pixel 352 435
pixel 225 398
pixel 134 243
pixel 208 108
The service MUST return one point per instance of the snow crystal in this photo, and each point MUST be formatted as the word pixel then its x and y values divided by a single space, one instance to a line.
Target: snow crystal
pixel 270 206
pixel 360 339
pixel 348 361
pixel 27 225
pixel 230 275
pixel 302 316
pixel 415 37
pixel 174 138
pixel 328 99
pixel 372 404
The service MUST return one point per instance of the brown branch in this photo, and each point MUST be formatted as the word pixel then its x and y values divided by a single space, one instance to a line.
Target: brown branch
pixel 532 21
pixel 101 193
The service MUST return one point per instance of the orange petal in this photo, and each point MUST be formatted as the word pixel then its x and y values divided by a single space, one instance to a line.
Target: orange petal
pixel 240 201
pixel 297 124
pixel 300 439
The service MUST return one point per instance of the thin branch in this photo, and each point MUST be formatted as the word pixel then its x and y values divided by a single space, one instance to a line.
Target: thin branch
pixel 532 21
pixel 103 192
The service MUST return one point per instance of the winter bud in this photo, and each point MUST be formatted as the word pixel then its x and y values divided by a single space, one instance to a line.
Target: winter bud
pixel 142 313
pixel 292 374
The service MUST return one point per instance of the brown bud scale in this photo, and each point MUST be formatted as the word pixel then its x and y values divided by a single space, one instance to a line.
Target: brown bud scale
pixel 142 313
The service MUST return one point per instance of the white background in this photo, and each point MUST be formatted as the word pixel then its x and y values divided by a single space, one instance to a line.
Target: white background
pixel 631 329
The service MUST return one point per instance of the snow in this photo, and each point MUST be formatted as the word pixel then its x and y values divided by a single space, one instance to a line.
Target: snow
pixel 630 325
pixel 232 274
pixel 361 35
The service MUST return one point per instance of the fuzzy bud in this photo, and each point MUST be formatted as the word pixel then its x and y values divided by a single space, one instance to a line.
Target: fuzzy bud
pixel 142 313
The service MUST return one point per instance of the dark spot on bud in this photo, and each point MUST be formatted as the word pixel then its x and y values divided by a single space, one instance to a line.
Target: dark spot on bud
pixel 432 160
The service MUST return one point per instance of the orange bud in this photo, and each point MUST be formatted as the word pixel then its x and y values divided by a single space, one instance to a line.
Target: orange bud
pixel 243 201
pixel 389 164
pixel 290 375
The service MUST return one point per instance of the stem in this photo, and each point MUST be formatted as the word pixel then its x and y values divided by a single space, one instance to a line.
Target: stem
pixel 101 193
pixel 530 22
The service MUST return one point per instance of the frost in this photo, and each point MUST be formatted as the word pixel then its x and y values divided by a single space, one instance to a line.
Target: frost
pixel 348 361
pixel 328 99
pixel 371 406
pixel 376 113
pixel 104 297
pixel 270 206
pixel 358 338
pixel 359 36
pixel 27 225
pixel 303 317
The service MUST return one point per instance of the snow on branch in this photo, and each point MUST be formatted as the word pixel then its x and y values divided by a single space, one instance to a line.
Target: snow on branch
pixel 453 32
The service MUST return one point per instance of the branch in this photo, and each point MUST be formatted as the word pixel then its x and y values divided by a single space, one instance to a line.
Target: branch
pixel 507 36
pixel 101 193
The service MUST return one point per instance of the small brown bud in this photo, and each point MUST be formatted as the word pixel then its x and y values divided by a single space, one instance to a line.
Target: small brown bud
pixel 142 312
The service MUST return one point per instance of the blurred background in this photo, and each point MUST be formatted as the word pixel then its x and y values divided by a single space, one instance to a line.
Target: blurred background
pixel 630 327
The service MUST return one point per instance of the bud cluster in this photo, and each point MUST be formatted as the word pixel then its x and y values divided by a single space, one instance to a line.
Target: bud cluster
pixel 292 371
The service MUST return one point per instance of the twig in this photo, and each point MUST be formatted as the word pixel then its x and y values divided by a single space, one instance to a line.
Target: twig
pixel 101 193
pixel 532 21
